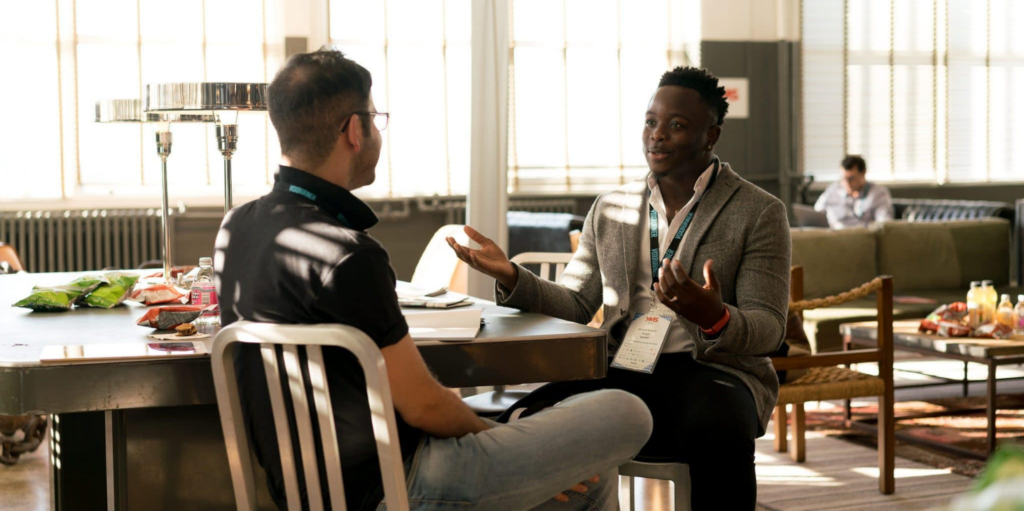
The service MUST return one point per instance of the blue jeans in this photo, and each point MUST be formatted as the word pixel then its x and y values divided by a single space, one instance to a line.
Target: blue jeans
pixel 521 466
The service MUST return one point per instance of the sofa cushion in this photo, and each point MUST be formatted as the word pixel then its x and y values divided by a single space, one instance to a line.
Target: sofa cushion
pixel 834 261
pixel 983 248
pixel 919 256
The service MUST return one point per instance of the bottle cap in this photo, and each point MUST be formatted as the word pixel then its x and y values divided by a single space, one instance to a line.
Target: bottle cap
pixel 1004 298
pixel 975 283
pixel 1020 298
pixel 205 261
pixel 986 283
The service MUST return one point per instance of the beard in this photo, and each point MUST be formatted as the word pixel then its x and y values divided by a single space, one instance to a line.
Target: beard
pixel 364 167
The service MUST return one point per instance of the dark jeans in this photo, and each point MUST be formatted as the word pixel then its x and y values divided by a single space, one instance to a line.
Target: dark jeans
pixel 702 417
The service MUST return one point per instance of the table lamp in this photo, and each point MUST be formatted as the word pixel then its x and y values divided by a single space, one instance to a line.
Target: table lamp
pixel 130 110
pixel 185 98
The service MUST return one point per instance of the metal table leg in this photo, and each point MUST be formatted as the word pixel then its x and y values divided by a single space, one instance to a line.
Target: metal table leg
pixel 991 427
pixel 966 381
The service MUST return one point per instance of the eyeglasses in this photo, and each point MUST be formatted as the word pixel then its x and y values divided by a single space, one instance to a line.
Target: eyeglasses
pixel 380 120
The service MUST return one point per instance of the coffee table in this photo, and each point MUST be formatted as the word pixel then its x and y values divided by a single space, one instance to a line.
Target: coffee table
pixel 990 352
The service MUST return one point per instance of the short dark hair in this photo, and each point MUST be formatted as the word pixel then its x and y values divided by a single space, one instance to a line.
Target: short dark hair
pixel 310 98
pixel 704 83
pixel 853 161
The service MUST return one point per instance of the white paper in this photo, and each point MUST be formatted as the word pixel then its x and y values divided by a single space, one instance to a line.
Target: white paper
pixel 643 343
pixel 406 290
pixel 443 325
pixel 443 301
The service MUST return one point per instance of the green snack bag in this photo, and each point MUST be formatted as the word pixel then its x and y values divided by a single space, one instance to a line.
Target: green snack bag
pixel 113 293
pixel 47 299
pixel 86 285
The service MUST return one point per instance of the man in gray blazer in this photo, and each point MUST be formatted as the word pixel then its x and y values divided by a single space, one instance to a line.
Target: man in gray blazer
pixel 693 262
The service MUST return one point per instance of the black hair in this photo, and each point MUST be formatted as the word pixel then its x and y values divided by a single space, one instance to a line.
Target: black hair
pixel 853 161
pixel 704 83
pixel 309 99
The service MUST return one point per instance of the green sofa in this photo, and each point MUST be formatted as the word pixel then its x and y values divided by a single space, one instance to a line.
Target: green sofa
pixel 936 260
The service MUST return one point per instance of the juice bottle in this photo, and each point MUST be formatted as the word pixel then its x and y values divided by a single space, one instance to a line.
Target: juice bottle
pixel 1018 316
pixel 974 304
pixel 989 300
pixel 1004 313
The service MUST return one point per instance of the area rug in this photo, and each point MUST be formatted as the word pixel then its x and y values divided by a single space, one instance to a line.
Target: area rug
pixel 966 431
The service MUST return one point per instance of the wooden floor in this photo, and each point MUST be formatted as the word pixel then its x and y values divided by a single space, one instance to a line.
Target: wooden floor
pixel 837 475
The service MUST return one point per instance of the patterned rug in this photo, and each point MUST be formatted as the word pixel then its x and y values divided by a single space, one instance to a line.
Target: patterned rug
pixel 966 431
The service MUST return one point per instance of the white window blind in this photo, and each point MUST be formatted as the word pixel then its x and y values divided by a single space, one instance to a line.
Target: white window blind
pixel 72 53
pixel 419 56
pixel 921 88
pixel 581 75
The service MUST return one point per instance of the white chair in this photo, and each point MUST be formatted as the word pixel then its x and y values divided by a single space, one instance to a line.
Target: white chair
pixel 489 404
pixel 312 337
pixel 439 266
pixel 678 473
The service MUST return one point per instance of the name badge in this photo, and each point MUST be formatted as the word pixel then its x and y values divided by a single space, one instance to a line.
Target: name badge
pixel 643 342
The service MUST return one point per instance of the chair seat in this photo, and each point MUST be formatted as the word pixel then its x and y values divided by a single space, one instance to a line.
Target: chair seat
pixel 824 383
pixel 492 404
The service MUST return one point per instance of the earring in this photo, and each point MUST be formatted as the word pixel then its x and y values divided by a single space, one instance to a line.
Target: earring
pixel 710 147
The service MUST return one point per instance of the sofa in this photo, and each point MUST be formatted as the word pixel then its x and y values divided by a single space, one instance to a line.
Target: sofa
pixel 934 260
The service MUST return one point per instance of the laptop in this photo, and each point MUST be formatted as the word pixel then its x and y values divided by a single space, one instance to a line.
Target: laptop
pixel 806 216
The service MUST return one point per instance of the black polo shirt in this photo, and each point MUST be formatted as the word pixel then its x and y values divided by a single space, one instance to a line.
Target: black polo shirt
pixel 301 255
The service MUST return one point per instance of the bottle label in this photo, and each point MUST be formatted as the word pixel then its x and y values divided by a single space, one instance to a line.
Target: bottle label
pixel 204 293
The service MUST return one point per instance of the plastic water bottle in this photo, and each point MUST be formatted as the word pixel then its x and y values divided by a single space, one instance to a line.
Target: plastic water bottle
pixel 204 292
pixel 974 309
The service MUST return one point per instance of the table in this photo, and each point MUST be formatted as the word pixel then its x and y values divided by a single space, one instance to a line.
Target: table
pixel 146 434
pixel 990 352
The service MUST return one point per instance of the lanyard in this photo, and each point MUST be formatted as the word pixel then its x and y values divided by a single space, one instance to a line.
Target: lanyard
pixel 282 186
pixel 674 244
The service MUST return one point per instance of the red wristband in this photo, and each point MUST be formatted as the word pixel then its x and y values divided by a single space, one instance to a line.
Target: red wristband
pixel 717 327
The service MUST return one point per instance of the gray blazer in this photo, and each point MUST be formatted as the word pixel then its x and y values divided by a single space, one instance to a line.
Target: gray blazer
pixel 742 227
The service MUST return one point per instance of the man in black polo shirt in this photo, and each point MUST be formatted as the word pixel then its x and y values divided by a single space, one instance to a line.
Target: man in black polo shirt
pixel 301 255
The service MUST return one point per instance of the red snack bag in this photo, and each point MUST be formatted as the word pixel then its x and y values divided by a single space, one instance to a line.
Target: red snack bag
pixel 993 331
pixel 153 295
pixel 166 318
pixel 946 319
pixel 953 329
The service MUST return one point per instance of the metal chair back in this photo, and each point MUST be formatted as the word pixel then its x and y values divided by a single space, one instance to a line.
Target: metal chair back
pixel 288 339
pixel 546 260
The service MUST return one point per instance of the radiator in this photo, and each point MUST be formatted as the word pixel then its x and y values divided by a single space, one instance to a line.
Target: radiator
pixel 457 215
pixel 84 240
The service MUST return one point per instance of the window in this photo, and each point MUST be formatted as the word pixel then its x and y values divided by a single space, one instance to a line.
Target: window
pixel 584 71
pixel 71 53
pixel 418 52
pixel 921 88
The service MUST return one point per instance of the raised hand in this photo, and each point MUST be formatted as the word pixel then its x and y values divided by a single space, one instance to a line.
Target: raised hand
pixel 701 305
pixel 489 259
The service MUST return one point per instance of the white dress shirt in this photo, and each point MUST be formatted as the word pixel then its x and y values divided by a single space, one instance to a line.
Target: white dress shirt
pixel 678 339
pixel 844 210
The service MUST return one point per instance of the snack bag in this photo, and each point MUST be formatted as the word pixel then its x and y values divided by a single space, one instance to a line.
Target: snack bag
pixel 993 331
pixel 947 321
pixel 166 318
pixel 153 295
pixel 86 285
pixel 49 299
pixel 114 293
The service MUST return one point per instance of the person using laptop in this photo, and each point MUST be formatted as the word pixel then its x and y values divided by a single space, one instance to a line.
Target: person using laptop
pixel 691 269
pixel 301 255
pixel 853 201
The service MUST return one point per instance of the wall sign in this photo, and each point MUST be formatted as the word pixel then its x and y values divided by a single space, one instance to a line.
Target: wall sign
pixel 737 93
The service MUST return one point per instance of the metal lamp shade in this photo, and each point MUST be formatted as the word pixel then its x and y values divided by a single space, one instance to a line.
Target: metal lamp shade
pixel 206 97
pixel 130 110
pixel 211 97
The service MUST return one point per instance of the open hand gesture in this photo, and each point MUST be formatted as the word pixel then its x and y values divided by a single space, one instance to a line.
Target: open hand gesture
pixel 701 305
pixel 490 259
